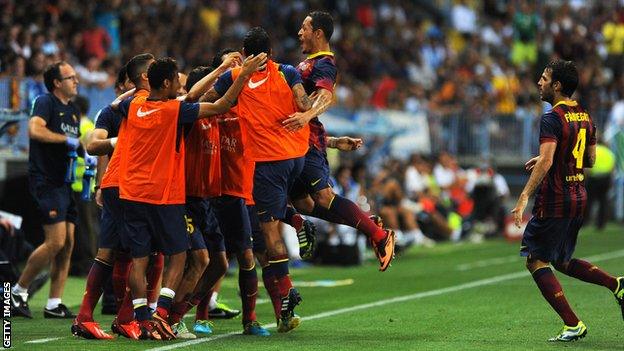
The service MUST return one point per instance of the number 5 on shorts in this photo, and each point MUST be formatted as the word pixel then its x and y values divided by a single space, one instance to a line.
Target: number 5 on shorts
pixel 189 225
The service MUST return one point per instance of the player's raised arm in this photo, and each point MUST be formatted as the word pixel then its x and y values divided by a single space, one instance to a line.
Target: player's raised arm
pixel 223 104
pixel 203 85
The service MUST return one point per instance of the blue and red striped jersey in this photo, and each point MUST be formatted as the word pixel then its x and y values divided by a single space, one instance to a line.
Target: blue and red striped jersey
pixel 318 71
pixel 562 191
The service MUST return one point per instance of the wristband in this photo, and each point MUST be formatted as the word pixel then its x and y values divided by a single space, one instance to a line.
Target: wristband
pixel 113 141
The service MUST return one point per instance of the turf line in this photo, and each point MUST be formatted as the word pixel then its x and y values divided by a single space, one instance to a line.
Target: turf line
pixel 41 341
pixel 489 262
pixel 420 295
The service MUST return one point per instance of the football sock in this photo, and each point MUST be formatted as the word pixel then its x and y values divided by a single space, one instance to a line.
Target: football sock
pixel 164 302
pixel 125 314
pixel 328 215
pixel 53 303
pixel 293 218
pixel 121 270
pixel 140 309
pixel 154 272
pixel 589 273
pixel 248 285
pixel 212 302
pixel 270 284
pixel 18 289
pixel 202 301
pixel 356 218
pixel 99 273
pixel 179 309
pixel 553 293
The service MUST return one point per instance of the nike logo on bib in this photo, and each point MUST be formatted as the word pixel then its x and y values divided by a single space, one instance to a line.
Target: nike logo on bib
pixel 142 113
pixel 254 85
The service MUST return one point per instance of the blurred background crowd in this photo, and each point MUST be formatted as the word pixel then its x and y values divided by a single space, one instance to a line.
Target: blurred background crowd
pixel 458 74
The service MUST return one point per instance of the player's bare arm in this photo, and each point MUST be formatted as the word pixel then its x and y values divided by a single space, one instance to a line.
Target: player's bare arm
pixel 223 104
pixel 343 143
pixel 542 165
pixel 102 164
pixel 38 130
pixel 98 143
pixel 210 96
pixel 303 101
pixel 122 97
pixel 202 86
pixel 298 120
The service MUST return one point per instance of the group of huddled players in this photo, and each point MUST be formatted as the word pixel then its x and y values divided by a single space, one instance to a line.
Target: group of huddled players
pixel 206 169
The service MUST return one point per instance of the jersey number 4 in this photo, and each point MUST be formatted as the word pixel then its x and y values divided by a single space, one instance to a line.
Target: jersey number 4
pixel 579 149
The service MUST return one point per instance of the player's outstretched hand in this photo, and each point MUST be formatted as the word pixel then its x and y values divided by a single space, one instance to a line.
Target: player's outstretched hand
pixel 232 60
pixel 518 211
pixel 346 143
pixel 528 166
pixel 254 63
pixel 296 121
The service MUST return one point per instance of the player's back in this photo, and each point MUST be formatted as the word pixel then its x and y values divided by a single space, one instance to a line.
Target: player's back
pixel 264 103
pixel 202 159
pixel 562 192
pixel 152 160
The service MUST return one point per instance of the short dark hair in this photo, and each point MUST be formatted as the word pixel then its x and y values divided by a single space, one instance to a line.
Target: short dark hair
pixel 51 73
pixel 162 69
pixel 136 66
pixel 122 75
pixel 82 103
pixel 196 75
pixel 256 41
pixel 323 21
pixel 564 72
pixel 217 60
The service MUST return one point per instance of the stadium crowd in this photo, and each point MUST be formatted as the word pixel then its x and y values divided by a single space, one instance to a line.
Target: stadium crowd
pixel 475 59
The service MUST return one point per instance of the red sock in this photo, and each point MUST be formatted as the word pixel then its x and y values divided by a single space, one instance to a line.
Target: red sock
pixel 284 285
pixel 293 218
pixel 356 218
pixel 248 285
pixel 154 272
pixel 125 314
pixel 121 270
pixel 553 293
pixel 178 310
pixel 203 302
pixel 98 274
pixel 589 273
pixel 270 284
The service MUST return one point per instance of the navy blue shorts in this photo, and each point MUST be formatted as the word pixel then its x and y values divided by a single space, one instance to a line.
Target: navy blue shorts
pixel 206 233
pixel 258 243
pixel 551 239
pixel 314 177
pixel 234 222
pixel 149 227
pixel 111 220
pixel 55 203
pixel 272 184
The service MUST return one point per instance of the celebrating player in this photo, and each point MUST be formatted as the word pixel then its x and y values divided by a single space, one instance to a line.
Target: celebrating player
pixel 319 72
pixel 567 146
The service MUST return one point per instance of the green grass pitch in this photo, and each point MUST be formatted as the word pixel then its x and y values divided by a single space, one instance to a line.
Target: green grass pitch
pixel 450 297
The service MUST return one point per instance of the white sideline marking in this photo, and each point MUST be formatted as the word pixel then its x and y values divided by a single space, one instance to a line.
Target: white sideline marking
pixel 41 341
pixel 420 295
pixel 489 262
